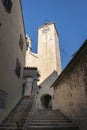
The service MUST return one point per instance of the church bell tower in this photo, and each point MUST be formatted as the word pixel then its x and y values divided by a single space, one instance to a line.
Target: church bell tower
pixel 48 50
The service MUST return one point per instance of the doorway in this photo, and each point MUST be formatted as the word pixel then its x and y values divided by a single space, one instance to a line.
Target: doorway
pixel 46 101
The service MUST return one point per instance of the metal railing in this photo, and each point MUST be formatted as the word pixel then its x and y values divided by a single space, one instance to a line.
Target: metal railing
pixel 31 112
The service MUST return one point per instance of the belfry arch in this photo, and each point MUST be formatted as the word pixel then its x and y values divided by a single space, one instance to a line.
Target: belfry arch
pixel 46 101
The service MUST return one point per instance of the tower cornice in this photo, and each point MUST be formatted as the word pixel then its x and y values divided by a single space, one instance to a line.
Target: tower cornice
pixel 49 24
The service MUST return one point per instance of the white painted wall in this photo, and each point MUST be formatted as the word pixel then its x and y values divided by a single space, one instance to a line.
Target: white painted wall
pixel 48 51
pixel 10 30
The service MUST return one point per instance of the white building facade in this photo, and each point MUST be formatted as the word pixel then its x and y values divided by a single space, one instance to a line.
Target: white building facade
pixel 47 60
pixel 12 55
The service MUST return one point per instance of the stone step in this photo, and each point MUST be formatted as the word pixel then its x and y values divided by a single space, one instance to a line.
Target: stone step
pixel 42 113
pixel 47 110
pixel 14 120
pixel 54 120
pixel 9 125
pixel 8 128
pixel 51 128
pixel 14 124
pixel 19 114
pixel 41 110
pixel 11 128
pixel 23 104
pixel 15 113
pixel 39 115
pixel 48 113
pixel 51 123
pixel 46 117
pixel 50 120
pixel 23 107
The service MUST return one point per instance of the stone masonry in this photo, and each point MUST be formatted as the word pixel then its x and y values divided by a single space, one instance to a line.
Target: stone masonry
pixel 70 89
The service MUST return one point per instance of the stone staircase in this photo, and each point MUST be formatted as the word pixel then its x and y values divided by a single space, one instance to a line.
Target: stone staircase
pixel 19 115
pixel 25 117
pixel 50 120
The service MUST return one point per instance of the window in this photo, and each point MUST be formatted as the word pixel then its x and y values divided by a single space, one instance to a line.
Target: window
pixel 45 30
pixel 21 43
pixel 18 68
pixel 8 5
pixel 3 97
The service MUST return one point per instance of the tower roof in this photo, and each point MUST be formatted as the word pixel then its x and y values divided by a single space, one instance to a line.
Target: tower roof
pixel 49 23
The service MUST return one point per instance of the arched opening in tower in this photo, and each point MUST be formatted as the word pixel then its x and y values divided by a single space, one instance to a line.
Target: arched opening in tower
pixel 46 101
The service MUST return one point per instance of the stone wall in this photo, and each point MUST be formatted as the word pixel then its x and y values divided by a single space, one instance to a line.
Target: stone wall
pixel 31 59
pixel 31 76
pixel 70 89
pixel 12 36
pixel 45 89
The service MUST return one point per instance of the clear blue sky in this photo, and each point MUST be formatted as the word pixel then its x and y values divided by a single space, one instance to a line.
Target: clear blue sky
pixel 70 17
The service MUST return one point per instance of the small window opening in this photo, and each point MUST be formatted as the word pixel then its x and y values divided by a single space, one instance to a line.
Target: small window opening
pixel 8 5
pixel 21 43
pixel 18 68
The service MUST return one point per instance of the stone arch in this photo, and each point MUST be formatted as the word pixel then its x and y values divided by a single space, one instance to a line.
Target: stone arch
pixel 46 101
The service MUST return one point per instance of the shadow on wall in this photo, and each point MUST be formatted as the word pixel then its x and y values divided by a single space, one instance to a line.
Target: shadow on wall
pixel 46 101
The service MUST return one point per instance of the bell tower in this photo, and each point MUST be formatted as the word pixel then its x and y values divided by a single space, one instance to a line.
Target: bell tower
pixel 48 50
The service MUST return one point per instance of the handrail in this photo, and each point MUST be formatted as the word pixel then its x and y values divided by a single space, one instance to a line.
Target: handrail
pixel 31 113
pixel 18 122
